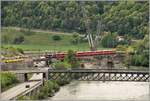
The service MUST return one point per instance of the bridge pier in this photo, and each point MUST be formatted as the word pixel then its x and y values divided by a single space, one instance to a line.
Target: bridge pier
pixel 25 77
pixel 47 63
pixel 104 77
pixel 110 63
pixel 45 76
pixel 20 77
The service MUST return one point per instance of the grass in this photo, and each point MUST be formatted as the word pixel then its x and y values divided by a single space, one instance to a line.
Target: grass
pixel 49 47
pixel 42 41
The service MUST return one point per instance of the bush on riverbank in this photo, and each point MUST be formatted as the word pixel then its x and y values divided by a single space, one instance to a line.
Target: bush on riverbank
pixel 7 80
pixel 24 98
pixel 138 53
pixel 48 90
pixel 61 65
pixel 62 82
pixel 71 59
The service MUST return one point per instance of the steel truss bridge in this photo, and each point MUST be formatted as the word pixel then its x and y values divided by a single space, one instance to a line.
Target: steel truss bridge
pixel 99 75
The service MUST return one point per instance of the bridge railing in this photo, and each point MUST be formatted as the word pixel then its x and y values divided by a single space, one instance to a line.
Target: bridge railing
pixel 99 75
pixel 96 70
pixel 28 90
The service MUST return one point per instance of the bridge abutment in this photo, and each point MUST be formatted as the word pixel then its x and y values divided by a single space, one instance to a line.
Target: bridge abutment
pixel 25 77
pixel 20 77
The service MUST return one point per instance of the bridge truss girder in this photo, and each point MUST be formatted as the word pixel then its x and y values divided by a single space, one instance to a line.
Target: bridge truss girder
pixel 99 76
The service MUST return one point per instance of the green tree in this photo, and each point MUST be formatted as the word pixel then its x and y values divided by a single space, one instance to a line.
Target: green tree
pixel 76 38
pixel 141 57
pixel 109 40
pixel 123 17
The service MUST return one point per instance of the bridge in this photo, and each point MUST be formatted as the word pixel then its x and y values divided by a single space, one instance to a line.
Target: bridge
pixel 22 75
pixel 34 83
pixel 99 75
pixel 89 74
pixel 73 74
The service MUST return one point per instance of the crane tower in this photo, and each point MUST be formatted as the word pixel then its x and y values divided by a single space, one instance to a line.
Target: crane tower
pixel 92 43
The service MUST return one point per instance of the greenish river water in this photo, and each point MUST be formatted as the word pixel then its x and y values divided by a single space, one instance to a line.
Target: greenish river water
pixel 97 90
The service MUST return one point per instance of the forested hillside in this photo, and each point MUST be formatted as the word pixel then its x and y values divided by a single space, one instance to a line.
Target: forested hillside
pixel 128 17
pixel 124 26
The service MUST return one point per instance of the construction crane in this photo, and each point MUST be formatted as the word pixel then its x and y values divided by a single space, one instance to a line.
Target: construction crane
pixel 92 43
pixel 88 31
pixel 98 32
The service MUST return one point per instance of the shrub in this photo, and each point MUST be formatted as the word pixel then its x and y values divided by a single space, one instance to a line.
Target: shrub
pixel 12 50
pixel 70 61
pixel 139 60
pixel 50 86
pixel 20 50
pixel 145 62
pixel 123 42
pixel 70 57
pixel 7 79
pixel 109 40
pixel 18 40
pixel 56 38
pixel 24 98
pixel 56 86
pixel 62 82
pixel 41 95
pixel 76 38
pixel 75 64
pixel 62 65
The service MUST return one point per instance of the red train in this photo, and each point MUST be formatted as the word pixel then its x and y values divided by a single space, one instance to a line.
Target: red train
pixel 83 54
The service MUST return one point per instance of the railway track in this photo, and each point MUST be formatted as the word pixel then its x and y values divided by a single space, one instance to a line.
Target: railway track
pixel 62 55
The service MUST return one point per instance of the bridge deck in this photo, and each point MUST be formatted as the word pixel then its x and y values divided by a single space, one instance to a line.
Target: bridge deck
pixel 29 71
pixel 17 90
pixel 97 70
pixel 77 70
pixel 20 89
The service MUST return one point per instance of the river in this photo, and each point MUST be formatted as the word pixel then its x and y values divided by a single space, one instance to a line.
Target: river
pixel 98 90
